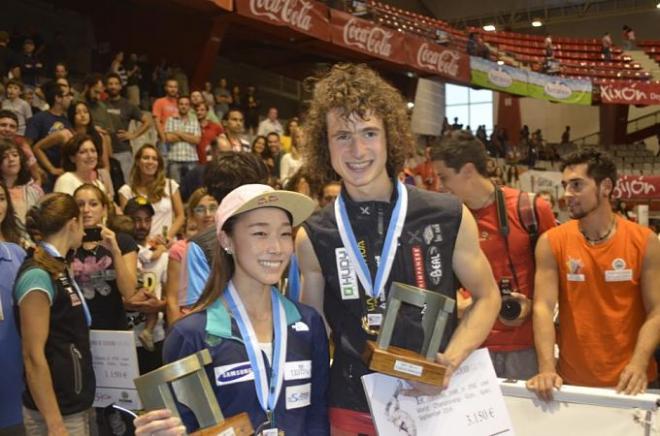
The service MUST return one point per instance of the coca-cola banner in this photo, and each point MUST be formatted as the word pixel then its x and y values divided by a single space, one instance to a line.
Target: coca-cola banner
pixel 428 56
pixel 637 188
pixel 630 93
pixel 305 16
pixel 367 37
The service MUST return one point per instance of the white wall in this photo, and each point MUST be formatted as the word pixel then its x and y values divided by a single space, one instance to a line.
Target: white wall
pixel 552 118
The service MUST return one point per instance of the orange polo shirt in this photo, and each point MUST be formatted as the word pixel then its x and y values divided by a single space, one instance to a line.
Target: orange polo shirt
pixel 601 309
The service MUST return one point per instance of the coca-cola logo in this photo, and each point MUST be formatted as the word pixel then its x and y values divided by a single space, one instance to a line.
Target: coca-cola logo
pixel 370 38
pixel 627 94
pixel 443 62
pixel 292 12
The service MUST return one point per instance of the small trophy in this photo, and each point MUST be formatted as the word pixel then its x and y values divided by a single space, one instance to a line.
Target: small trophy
pixel 188 381
pixel 403 363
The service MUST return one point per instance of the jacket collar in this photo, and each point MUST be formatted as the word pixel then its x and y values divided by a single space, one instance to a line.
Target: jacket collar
pixel 218 320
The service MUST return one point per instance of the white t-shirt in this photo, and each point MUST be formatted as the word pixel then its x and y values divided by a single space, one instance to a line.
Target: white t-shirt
pixel 68 182
pixel 288 167
pixel 164 215
pixel 154 276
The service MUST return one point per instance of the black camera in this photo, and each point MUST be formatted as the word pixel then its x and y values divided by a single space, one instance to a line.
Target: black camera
pixel 511 308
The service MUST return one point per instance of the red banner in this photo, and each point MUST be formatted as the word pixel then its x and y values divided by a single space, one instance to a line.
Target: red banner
pixel 305 16
pixel 367 37
pixel 642 93
pixel 637 188
pixel 428 56
pixel 224 4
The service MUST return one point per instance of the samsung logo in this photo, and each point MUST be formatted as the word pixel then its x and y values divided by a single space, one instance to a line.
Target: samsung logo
pixel 234 373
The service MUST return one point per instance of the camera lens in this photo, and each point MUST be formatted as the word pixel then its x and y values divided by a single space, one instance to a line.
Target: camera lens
pixel 510 309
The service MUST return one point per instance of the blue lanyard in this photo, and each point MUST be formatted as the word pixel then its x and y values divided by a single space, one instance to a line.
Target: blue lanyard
pixel 267 391
pixel 50 248
pixel 375 288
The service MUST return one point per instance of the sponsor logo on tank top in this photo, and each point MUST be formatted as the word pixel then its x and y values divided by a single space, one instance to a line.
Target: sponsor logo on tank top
pixel 418 264
pixel 619 272
pixel 432 233
pixel 348 285
pixel 575 270
pixel 434 264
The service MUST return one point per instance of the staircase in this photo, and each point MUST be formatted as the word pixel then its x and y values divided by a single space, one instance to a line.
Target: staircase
pixel 647 64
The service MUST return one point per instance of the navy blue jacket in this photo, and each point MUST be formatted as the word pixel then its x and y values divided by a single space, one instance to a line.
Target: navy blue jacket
pixel 301 409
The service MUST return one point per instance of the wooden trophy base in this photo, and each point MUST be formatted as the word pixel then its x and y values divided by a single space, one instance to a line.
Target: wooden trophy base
pixel 402 363
pixel 238 425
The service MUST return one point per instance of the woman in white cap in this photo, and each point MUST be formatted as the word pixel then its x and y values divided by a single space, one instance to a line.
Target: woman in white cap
pixel 270 355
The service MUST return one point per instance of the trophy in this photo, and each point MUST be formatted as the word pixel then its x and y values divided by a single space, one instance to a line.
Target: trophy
pixel 399 362
pixel 187 380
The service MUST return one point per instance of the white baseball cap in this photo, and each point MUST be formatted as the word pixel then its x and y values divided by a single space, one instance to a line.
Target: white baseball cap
pixel 254 196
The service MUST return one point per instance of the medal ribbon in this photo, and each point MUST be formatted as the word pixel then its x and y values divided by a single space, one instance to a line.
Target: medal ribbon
pixel 373 289
pixel 267 392
pixel 53 252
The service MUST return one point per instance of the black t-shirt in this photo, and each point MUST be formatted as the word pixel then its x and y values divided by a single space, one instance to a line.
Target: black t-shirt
pixel 122 112
pixel 94 271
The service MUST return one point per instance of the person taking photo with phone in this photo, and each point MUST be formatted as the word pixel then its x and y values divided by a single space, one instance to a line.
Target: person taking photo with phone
pixel 105 265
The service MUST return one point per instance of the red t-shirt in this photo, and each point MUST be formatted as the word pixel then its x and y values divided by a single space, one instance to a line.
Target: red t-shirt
pixel 430 179
pixel 164 108
pixel 504 338
pixel 209 132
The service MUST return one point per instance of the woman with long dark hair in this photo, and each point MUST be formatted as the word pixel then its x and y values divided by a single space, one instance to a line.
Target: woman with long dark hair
pixel 48 150
pixel 242 317
pixel 54 322
pixel 16 175
pixel 148 180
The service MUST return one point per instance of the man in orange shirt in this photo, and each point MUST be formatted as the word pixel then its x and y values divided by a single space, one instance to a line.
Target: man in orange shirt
pixel 166 107
pixel 604 272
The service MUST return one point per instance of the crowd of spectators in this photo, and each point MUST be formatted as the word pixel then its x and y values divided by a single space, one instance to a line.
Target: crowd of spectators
pixel 73 153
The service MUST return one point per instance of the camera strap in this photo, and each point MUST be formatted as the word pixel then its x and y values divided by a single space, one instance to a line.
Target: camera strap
pixel 503 225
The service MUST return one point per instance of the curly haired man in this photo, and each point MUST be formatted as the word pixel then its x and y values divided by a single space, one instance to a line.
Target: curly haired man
pixel 358 132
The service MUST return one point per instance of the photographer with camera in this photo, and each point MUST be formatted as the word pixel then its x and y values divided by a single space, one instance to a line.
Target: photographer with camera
pixel 509 223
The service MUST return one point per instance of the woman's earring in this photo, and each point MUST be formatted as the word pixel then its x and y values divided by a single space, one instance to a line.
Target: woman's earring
pixel 228 251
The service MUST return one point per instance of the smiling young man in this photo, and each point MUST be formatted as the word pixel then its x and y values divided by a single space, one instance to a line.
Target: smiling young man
pixel 604 272
pixel 358 132
pixel 507 240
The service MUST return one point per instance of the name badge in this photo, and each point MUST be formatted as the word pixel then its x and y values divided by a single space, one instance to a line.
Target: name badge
pixel 618 275
pixel 299 370
pixel 298 396
pixel 575 277
pixel 270 432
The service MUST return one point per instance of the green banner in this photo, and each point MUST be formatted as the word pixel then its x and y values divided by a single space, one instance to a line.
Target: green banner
pixel 504 78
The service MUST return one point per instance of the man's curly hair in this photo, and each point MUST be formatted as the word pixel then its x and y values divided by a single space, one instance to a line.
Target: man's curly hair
pixel 355 89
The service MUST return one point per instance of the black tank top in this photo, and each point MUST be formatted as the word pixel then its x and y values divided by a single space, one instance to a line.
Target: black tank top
pixel 423 258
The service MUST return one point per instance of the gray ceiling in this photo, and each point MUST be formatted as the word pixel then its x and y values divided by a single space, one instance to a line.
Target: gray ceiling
pixel 516 12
